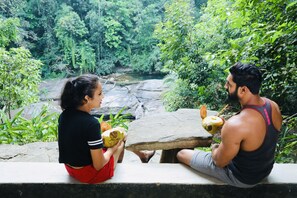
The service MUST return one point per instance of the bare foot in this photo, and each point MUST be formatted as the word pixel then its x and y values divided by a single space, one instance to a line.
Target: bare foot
pixel 146 156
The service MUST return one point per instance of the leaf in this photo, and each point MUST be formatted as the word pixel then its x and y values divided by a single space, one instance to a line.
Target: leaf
pixel 291 5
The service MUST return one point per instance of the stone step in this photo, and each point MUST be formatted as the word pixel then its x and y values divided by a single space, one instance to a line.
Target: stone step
pixel 29 179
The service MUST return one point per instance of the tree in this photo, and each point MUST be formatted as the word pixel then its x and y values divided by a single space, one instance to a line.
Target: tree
pixel 8 31
pixel 11 8
pixel 267 36
pixel 174 34
pixel 183 50
pixel 119 21
pixel 118 33
pixel 38 19
pixel 145 52
pixel 114 33
pixel 19 73
pixel 70 31
pixel 228 31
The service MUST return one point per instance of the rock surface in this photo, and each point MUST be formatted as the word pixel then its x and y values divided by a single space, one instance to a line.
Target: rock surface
pixel 48 152
pixel 168 130
pixel 33 152
pixel 139 99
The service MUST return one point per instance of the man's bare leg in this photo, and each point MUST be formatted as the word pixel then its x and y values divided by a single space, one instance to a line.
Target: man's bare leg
pixel 185 156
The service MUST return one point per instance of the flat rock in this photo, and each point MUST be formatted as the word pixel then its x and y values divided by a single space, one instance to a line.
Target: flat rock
pixel 48 152
pixel 32 152
pixel 168 130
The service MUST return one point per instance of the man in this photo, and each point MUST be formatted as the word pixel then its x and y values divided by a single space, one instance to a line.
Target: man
pixel 245 155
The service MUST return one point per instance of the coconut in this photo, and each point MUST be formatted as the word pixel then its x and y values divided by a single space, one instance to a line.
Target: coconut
pixel 212 123
pixel 112 136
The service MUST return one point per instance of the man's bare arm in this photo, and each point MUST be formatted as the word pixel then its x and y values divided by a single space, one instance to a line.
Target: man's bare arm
pixel 231 135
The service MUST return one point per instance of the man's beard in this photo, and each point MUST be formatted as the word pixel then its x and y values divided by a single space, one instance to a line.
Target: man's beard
pixel 232 97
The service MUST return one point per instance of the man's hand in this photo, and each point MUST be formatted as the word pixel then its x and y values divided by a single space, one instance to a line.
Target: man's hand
pixel 214 146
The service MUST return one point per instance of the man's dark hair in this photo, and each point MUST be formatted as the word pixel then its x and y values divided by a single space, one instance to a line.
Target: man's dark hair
pixel 247 75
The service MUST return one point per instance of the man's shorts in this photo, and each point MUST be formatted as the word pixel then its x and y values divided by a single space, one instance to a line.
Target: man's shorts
pixel 202 162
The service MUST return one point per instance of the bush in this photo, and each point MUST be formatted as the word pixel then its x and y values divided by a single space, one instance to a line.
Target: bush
pixel 118 120
pixel 19 130
pixel 179 95
pixel 286 151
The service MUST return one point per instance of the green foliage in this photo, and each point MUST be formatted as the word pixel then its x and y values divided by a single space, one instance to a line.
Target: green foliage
pixel 148 59
pixel 119 18
pixel 147 62
pixel 272 44
pixel 69 24
pixel 38 22
pixel 11 8
pixel 70 31
pixel 87 58
pixel 175 35
pixel 94 22
pixel 287 143
pixel 19 130
pixel 19 73
pixel 262 32
pixel 180 94
pixel 183 94
pixel 118 120
pixel 8 31
pixel 20 78
pixel 112 36
pixel 121 35
pixel 186 48
pixel 105 66
pixel 74 37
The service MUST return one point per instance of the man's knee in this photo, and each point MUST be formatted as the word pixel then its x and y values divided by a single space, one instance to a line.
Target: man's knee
pixel 179 155
pixel 184 156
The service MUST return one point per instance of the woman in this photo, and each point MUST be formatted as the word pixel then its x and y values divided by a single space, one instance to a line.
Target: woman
pixel 79 138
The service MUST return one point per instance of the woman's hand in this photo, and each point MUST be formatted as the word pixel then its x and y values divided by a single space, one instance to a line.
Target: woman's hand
pixel 116 147
pixel 100 159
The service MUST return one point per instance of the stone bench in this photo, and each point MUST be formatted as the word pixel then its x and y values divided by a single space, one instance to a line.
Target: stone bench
pixel 169 132
pixel 42 180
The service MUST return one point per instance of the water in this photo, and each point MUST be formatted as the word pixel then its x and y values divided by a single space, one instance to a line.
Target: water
pixel 131 77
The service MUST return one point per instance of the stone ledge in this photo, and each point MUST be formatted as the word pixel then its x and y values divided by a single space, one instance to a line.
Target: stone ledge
pixel 27 179
pixel 191 142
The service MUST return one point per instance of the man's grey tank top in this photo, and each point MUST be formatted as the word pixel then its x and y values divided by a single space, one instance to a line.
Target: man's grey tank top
pixel 250 167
